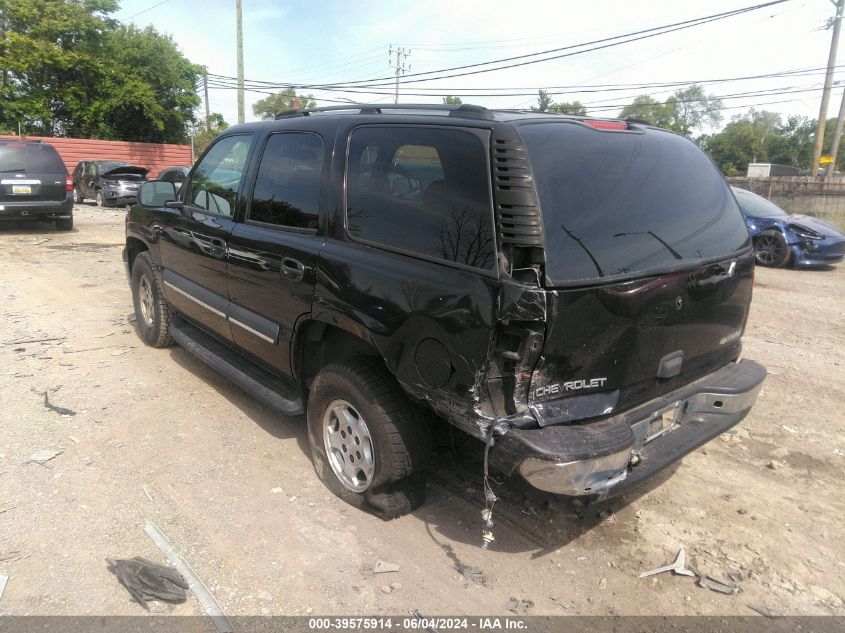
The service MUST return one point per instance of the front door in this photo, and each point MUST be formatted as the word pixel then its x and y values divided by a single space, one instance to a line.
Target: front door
pixel 273 253
pixel 194 240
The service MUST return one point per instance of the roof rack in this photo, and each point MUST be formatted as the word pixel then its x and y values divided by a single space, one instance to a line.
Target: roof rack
pixel 464 110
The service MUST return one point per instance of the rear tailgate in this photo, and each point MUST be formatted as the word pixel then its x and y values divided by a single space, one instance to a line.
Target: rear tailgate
pixel 648 266
pixel 31 172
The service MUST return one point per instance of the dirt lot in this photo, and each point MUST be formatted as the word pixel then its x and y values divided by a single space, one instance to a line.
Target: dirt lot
pixel 158 436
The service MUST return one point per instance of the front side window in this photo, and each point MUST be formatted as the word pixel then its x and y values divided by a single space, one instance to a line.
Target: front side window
pixel 287 187
pixel 217 178
pixel 422 190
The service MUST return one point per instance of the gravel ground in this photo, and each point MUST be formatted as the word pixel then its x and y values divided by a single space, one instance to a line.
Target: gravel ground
pixel 156 436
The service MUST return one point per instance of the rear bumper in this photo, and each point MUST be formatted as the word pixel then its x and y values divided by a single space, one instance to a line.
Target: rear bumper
pixel 612 456
pixel 47 209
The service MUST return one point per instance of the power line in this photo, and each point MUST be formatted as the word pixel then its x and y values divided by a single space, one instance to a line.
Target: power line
pixel 602 43
pixel 147 9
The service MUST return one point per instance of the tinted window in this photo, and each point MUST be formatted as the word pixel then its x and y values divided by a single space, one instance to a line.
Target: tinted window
pixel 615 203
pixel 217 178
pixel 287 188
pixel 758 207
pixel 30 157
pixel 424 190
pixel 168 176
pixel 102 168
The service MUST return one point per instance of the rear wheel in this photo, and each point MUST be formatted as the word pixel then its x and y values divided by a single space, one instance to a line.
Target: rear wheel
pixel 152 313
pixel 65 224
pixel 77 196
pixel 771 249
pixel 101 198
pixel 369 442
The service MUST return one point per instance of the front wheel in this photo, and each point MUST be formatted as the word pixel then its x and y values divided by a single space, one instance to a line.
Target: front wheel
pixel 369 442
pixel 151 310
pixel 771 249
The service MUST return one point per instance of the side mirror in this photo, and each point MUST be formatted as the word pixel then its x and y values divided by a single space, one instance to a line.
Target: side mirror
pixel 156 193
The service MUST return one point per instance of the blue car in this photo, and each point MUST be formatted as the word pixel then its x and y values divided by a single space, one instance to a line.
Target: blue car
pixel 780 238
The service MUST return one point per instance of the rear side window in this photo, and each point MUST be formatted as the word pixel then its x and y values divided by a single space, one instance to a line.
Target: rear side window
pixel 287 187
pixel 616 203
pixel 30 158
pixel 758 207
pixel 217 178
pixel 422 190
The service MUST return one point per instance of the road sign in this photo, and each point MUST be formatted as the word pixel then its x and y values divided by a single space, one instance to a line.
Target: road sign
pixel 826 160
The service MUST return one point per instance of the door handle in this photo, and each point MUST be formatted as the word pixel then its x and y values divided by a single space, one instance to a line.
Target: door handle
pixel 292 269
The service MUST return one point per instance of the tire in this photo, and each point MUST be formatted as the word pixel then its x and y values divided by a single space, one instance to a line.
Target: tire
pixel 771 249
pixel 152 314
pixel 100 198
pixel 394 427
pixel 77 196
pixel 65 224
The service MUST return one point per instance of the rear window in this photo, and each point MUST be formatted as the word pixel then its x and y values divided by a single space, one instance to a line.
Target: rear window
pixel 621 203
pixel 30 158
pixel 758 207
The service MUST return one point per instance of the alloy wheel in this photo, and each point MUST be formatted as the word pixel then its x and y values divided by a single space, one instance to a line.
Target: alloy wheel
pixel 768 249
pixel 349 445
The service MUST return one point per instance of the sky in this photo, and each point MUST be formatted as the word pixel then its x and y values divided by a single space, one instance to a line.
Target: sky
pixel 332 41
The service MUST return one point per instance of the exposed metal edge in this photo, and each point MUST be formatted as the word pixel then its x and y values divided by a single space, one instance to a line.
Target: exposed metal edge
pixel 194 299
pixel 252 331
pixel 208 602
pixel 3 580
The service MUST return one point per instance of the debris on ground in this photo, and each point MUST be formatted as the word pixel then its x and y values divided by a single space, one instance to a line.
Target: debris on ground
pixel 717 584
pixel 59 410
pixel 145 580
pixel 43 456
pixel 385 589
pixel 520 606
pixel 678 567
pixel 471 573
pixel 276 490
pixel 607 518
pixel 763 610
pixel 396 586
pixel 3 580
pixel 383 567
pixel 147 492
pixel 419 616
pixel 195 584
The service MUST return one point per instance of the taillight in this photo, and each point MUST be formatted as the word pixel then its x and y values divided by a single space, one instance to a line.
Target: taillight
pixel 606 125
pixel 68 184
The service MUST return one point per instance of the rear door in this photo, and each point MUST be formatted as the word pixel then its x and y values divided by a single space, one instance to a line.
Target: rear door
pixel 648 263
pixel 194 240
pixel 31 172
pixel 273 253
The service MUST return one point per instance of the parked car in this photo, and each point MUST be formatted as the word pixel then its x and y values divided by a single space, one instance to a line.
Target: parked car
pixel 175 174
pixel 108 182
pixel 780 238
pixel 570 291
pixel 34 184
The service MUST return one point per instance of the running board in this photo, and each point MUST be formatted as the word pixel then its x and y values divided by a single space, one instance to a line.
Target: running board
pixel 277 393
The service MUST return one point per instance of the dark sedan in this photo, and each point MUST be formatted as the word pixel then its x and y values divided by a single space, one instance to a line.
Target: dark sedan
pixel 780 238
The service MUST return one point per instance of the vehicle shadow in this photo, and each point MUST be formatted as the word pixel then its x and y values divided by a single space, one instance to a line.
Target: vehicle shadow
pixel 31 227
pixel 525 519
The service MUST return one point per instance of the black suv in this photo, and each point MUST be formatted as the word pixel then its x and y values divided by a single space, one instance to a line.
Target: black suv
pixel 571 291
pixel 34 184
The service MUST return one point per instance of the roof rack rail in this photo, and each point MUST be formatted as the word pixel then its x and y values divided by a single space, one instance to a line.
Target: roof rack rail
pixel 463 110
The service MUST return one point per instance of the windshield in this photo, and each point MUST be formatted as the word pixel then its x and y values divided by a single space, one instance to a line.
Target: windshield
pixel 617 203
pixel 756 206
pixel 30 157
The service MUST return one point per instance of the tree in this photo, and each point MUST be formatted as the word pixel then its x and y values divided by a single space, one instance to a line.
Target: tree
pixel 287 99
pixel 693 109
pixel 544 102
pixel 204 134
pixel 452 101
pixel 575 108
pixel 646 108
pixel 70 69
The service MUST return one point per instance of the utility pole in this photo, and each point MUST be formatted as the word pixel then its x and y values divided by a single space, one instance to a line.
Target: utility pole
pixel 241 117
pixel 399 64
pixel 828 84
pixel 834 147
pixel 205 89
